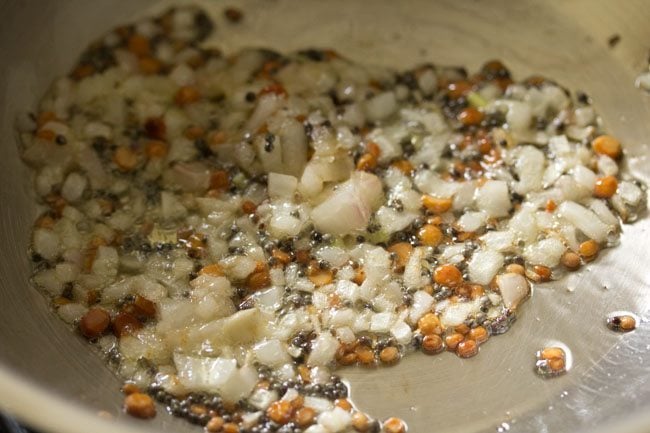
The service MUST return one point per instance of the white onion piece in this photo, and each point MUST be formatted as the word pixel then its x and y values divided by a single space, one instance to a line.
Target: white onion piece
pixel 493 198
pixel 484 265
pixel 204 374
pixel 529 166
pixel 401 332
pixel 584 219
pixel 392 220
pixel 456 314
pixel 498 240
pixel 546 252
pixel 190 176
pixel 472 221
pixel 514 288
pixel 323 349
pixel 422 302
pixel 413 269
pixel 281 185
pixel 272 353
pixel 381 106
pixel 46 243
pixel 381 322
pixel 335 420
pixel 348 208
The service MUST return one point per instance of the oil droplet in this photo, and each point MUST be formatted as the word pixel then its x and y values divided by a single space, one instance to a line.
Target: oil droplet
pixel 622 321
pixel 553 360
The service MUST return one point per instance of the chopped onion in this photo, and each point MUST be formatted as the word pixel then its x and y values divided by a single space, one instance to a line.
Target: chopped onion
pixel 348 208
pixel 484 265
pixel 493 198
pixel 323 349
pixel 281 185
pixel 514 288
pixel 584 219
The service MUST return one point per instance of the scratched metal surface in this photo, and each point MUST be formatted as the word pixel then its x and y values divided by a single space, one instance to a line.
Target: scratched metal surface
pixel 49 378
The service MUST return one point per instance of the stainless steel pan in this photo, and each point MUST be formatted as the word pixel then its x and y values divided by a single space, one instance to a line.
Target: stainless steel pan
pixel 50 378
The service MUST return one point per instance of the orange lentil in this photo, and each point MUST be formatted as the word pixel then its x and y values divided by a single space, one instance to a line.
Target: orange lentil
pixel 430 324
pixel 187 95
pixel 258 280
pixel 217 137
pixel 403 165
pixel 193 132
pixel 347 358
pixel 125 158
pixel 303 256
pixel 430 235
pixel 125 324
pixel 280 411
pixel 360 422
pixel 467 348
pixel 515 268
pixel 484 146
pixel 402 251
pixel 373 149
pixel 389 355
pixel 215 424
pixel 130 388
pixel 458 88
pixel 447 275
pixel 44 117
pixel 605 187
pixel 149 65
pixel 230 427
pixel 281 256
pixel 606 145
pixel 365 355
pixel 556 364
pixel 570 260
pixel 83 71
pixel 544 272
pixel 138 45
pixel 432 344
pixel 248 207
pixel 144 307
pixel 304 417
pixel 46 134
pixel 589 249
pixel 367 162
pixel 436 205
pixel 219 180
pixel 274 88
pixel 139 405
pixel 470 116
pixel 551 352
pixel 94 322
pixel 478 334
pixel 550 205
pixel 359 276
pixel 343 403
pixel 214 270
pixel 476 291
pixel 318 276
pixel 453 340
pixel 394 425
pixel 156 149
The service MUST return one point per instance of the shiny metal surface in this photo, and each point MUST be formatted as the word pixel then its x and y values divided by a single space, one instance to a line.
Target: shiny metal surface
pixel 49 377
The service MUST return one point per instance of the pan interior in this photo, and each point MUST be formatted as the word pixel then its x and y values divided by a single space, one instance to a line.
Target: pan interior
pixel 498 389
